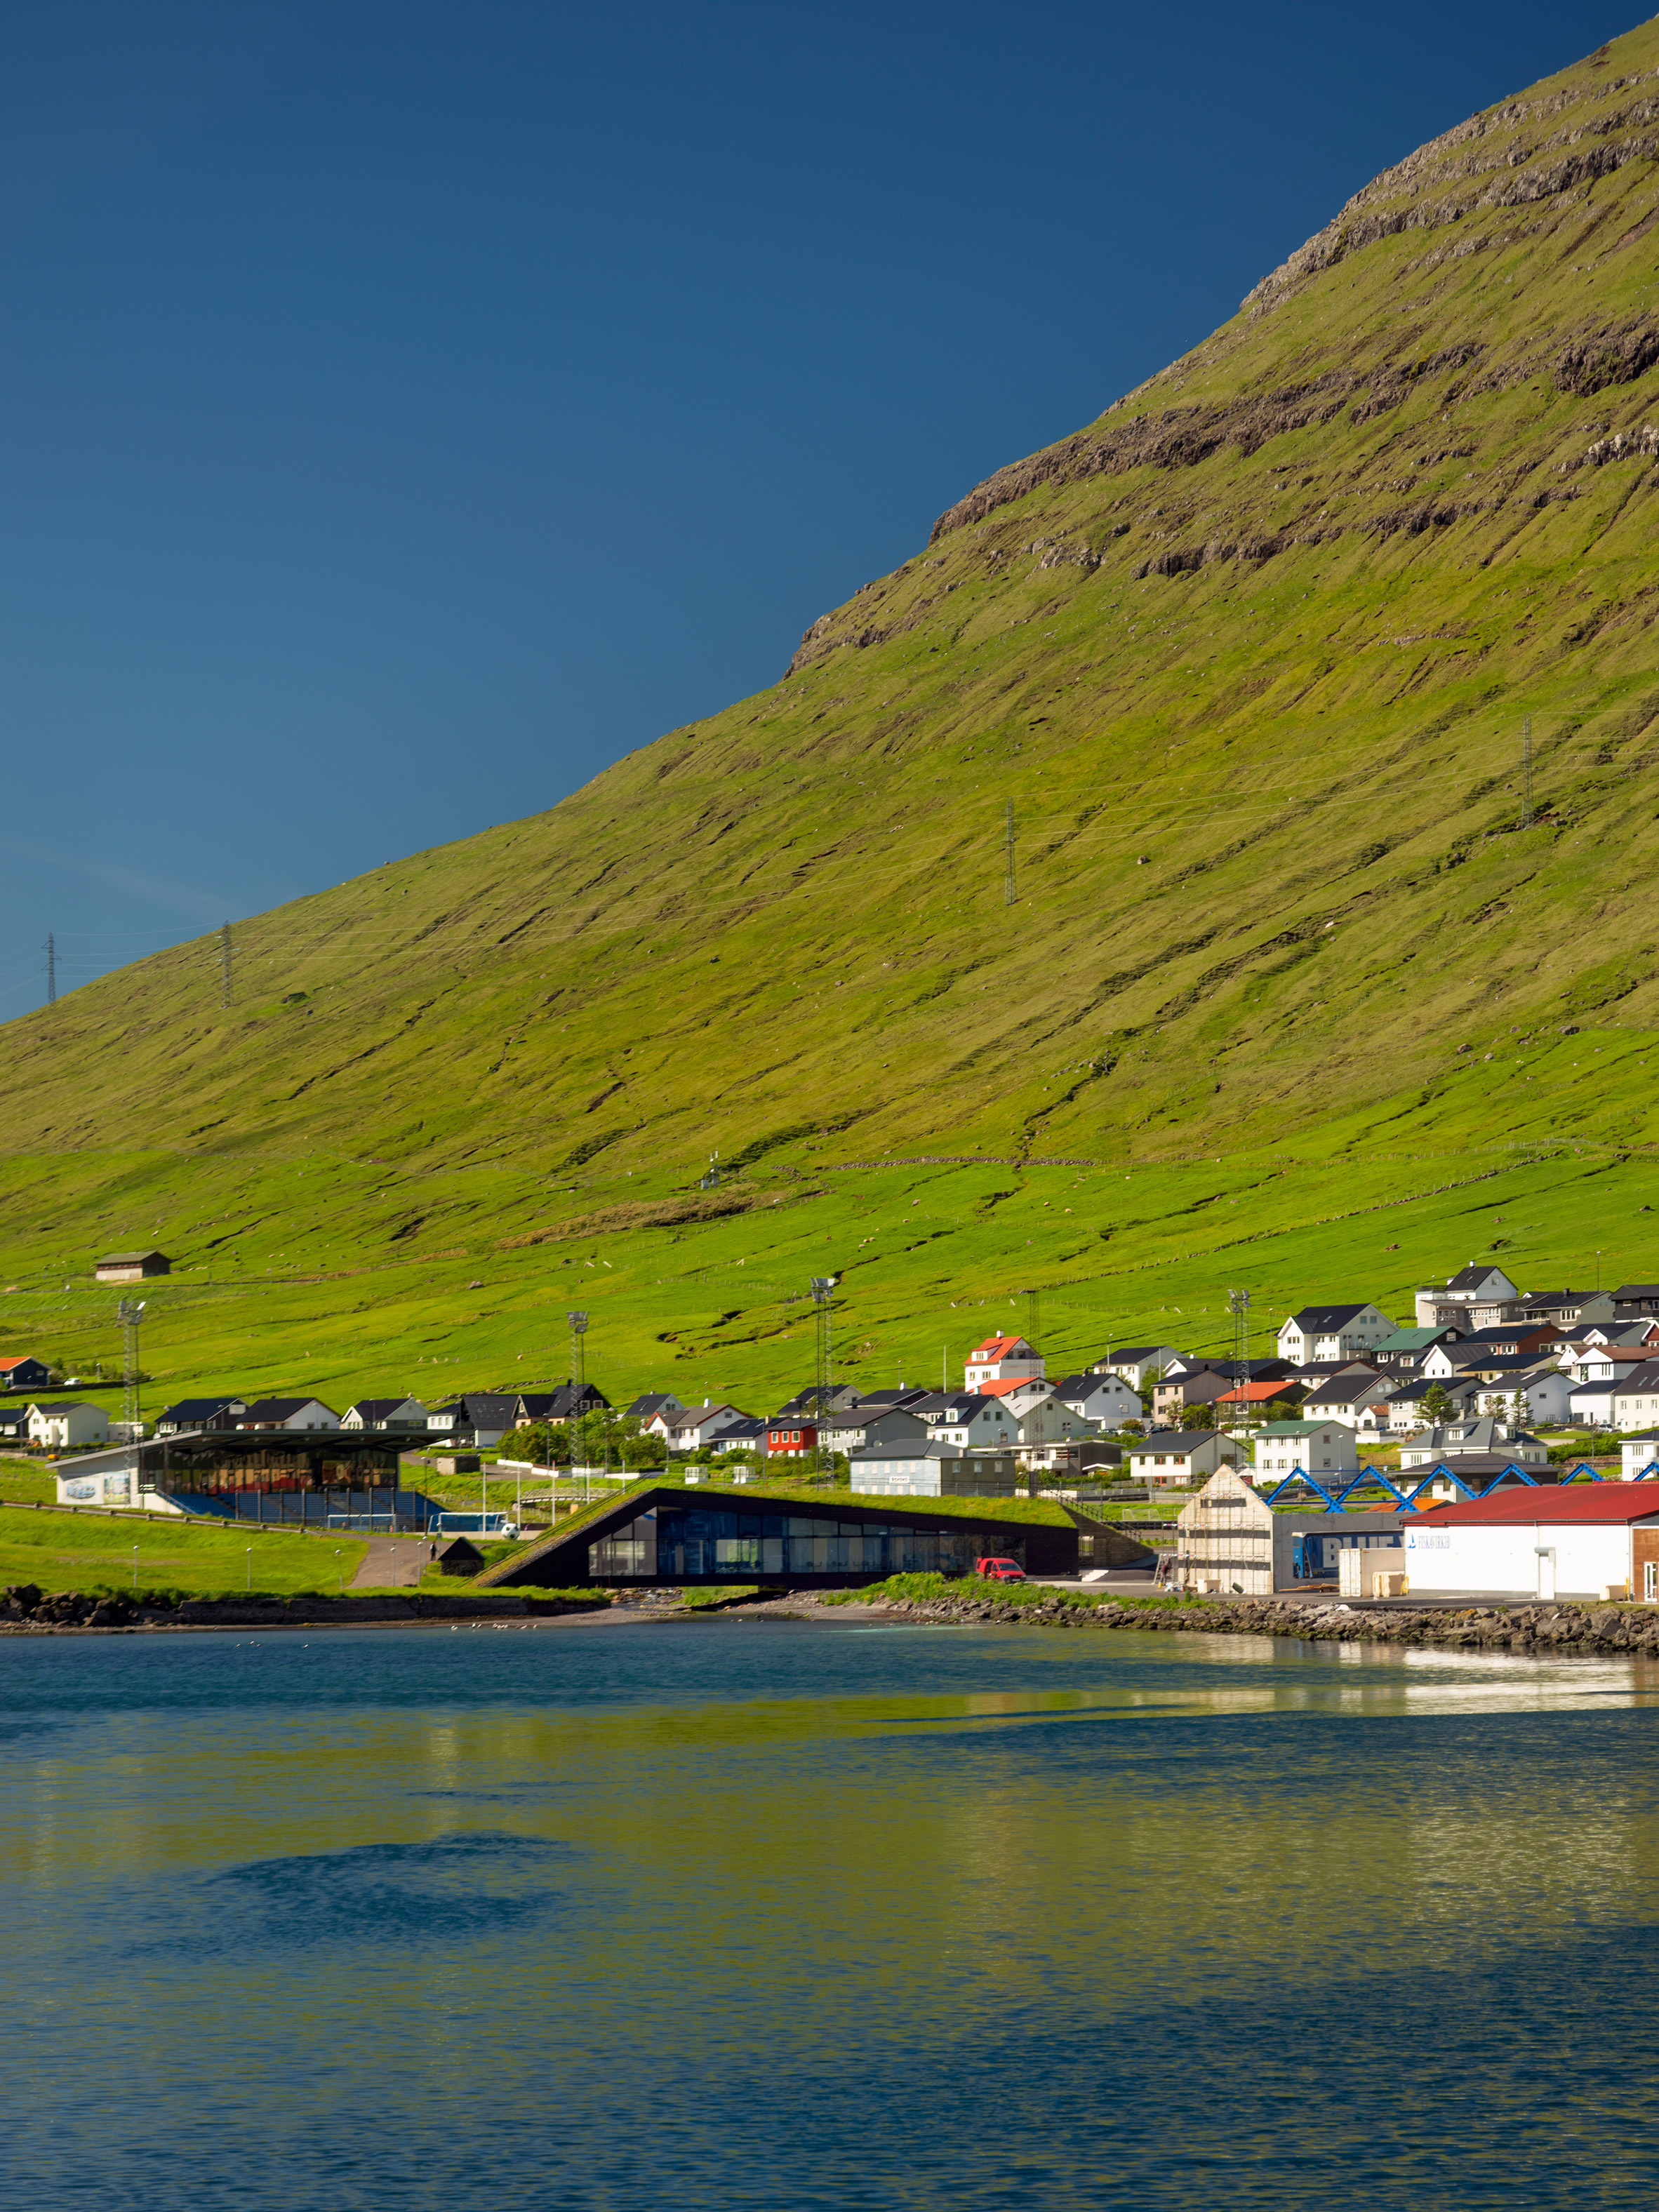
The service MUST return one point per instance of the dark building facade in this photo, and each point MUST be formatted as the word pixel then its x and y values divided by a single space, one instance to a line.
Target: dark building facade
pixel 671 1536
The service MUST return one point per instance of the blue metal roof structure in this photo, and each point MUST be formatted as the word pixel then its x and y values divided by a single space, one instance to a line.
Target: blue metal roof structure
pixel 1336 1496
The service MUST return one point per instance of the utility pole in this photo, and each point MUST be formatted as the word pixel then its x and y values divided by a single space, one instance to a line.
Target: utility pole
pixel 1009 894
pixel 128 1315
pixel 1526 772
pixel 224 965
pixel 51 969
pixel 823 1307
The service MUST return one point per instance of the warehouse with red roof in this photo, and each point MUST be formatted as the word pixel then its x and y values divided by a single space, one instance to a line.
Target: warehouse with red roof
pixel 1540 1541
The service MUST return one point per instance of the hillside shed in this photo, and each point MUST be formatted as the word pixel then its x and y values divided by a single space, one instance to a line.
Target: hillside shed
pixel 130 1267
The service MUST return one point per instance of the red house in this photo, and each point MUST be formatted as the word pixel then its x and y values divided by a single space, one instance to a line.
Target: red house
pixel 791 1439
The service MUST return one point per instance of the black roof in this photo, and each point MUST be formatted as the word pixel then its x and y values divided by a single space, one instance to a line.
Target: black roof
pixel 199 1409
pixel 1321 1318
pixel 1341 1390
pixel 278 1409
pixel 376 1409
pixel 901 1395
pixel 1472 1277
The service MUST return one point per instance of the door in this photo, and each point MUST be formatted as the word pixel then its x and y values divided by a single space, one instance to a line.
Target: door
pixel 1545 1570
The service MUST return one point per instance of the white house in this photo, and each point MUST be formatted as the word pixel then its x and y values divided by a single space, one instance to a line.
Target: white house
pixel 1001 1360
pixel 1556 1540
pixel 1049 1422
pixel 694 1426
pixel 1544 1393
pixel 1316 1447
pixel 1477 1297
pixel 1591 1405
pixel 1020 1396
pixel 1638 1454
pixel 972 1422
pixel 288 1413
pixel 1180 1456
pixel 67 1422
pixel 1332 1332
pixel 1104 1400
pixel 1347 1397
pixel 1482 1437
pixel 385 1413
pixel 1135 1362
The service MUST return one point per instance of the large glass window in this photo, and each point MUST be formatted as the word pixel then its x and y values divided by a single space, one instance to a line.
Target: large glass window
pixel 698 1542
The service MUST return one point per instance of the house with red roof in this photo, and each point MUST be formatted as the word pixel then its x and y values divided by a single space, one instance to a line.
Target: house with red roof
pixel 24 1373
pixel 1002 1359
pixel 1540 1541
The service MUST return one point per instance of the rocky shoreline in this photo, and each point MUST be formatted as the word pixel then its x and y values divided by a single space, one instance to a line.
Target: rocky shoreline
pixel 1588 1630
pixel 25 1610
pixel 1629 1630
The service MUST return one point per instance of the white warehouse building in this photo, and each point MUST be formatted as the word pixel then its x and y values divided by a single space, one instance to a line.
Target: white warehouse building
pixel 1544 1540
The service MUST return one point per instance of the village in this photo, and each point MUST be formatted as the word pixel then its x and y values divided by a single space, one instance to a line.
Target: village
pixel 1308 1469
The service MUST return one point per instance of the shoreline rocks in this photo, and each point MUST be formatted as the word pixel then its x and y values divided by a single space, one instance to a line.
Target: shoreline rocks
pixel 25 1609
pixel 1628 1630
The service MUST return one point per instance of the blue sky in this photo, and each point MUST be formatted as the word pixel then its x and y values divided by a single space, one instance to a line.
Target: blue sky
pixel 405 410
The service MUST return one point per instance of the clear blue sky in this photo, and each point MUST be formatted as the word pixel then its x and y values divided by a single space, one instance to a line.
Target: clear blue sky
pixel 407 409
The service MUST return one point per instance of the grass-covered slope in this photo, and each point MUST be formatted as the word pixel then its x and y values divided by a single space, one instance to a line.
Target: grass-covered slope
pixel 1250 655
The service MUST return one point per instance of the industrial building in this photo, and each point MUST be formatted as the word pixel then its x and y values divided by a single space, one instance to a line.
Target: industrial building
pixel 1229 1539
pixel 1546 1540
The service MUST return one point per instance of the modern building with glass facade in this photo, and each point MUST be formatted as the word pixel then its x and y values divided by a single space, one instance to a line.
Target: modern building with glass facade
pixel 668 1535
pixel 281 1475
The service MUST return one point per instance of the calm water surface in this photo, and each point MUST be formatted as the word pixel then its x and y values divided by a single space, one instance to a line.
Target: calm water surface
pixel 731 1913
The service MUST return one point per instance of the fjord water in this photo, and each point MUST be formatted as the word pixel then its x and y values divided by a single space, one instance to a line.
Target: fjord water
pixel 754 1912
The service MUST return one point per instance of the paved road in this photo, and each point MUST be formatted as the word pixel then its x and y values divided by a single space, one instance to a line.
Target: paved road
pixel 393 1562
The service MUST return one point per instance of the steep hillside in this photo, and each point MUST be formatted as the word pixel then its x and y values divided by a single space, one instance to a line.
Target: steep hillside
pixel 1251 657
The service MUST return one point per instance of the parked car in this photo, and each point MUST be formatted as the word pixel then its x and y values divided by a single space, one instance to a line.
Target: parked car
pixel 999 1571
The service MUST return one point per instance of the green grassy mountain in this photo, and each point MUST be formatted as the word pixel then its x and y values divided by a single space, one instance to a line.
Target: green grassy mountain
pixel 1298 988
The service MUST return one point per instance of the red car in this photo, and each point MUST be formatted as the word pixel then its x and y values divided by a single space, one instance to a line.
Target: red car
pixel 999 1571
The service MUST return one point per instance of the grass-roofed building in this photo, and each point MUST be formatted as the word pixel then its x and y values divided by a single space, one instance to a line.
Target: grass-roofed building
pixel 824 1540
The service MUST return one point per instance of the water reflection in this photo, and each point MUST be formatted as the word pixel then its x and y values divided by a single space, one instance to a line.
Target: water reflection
pixel 743 1913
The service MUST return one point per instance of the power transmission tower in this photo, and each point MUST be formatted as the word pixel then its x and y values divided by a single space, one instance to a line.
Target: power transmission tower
pixel 51 969
pixel 1238 1304
pixel 823 1308
pixel 1009 894
pixel 224 965
pixel 1034 1319
pixel 128 1315
pixel 1526 773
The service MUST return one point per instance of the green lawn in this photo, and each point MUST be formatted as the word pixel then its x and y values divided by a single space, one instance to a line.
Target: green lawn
pixel 83 1551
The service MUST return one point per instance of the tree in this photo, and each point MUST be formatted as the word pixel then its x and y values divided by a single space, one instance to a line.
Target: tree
pixel 1518 1409
pixel 1198 1417
pixel 1437 1405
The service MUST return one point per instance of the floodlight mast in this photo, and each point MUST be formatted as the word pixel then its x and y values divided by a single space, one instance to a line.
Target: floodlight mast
pixel 128 1315
pixel 578 1357
pixel 823 1309
pixel 1238 1306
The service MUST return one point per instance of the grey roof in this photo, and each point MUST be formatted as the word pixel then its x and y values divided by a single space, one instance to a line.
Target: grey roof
pixel 1341 1390
pixel 653 1403
pixel 1472 1277
pixel 278 1409
pixel 1321 1319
